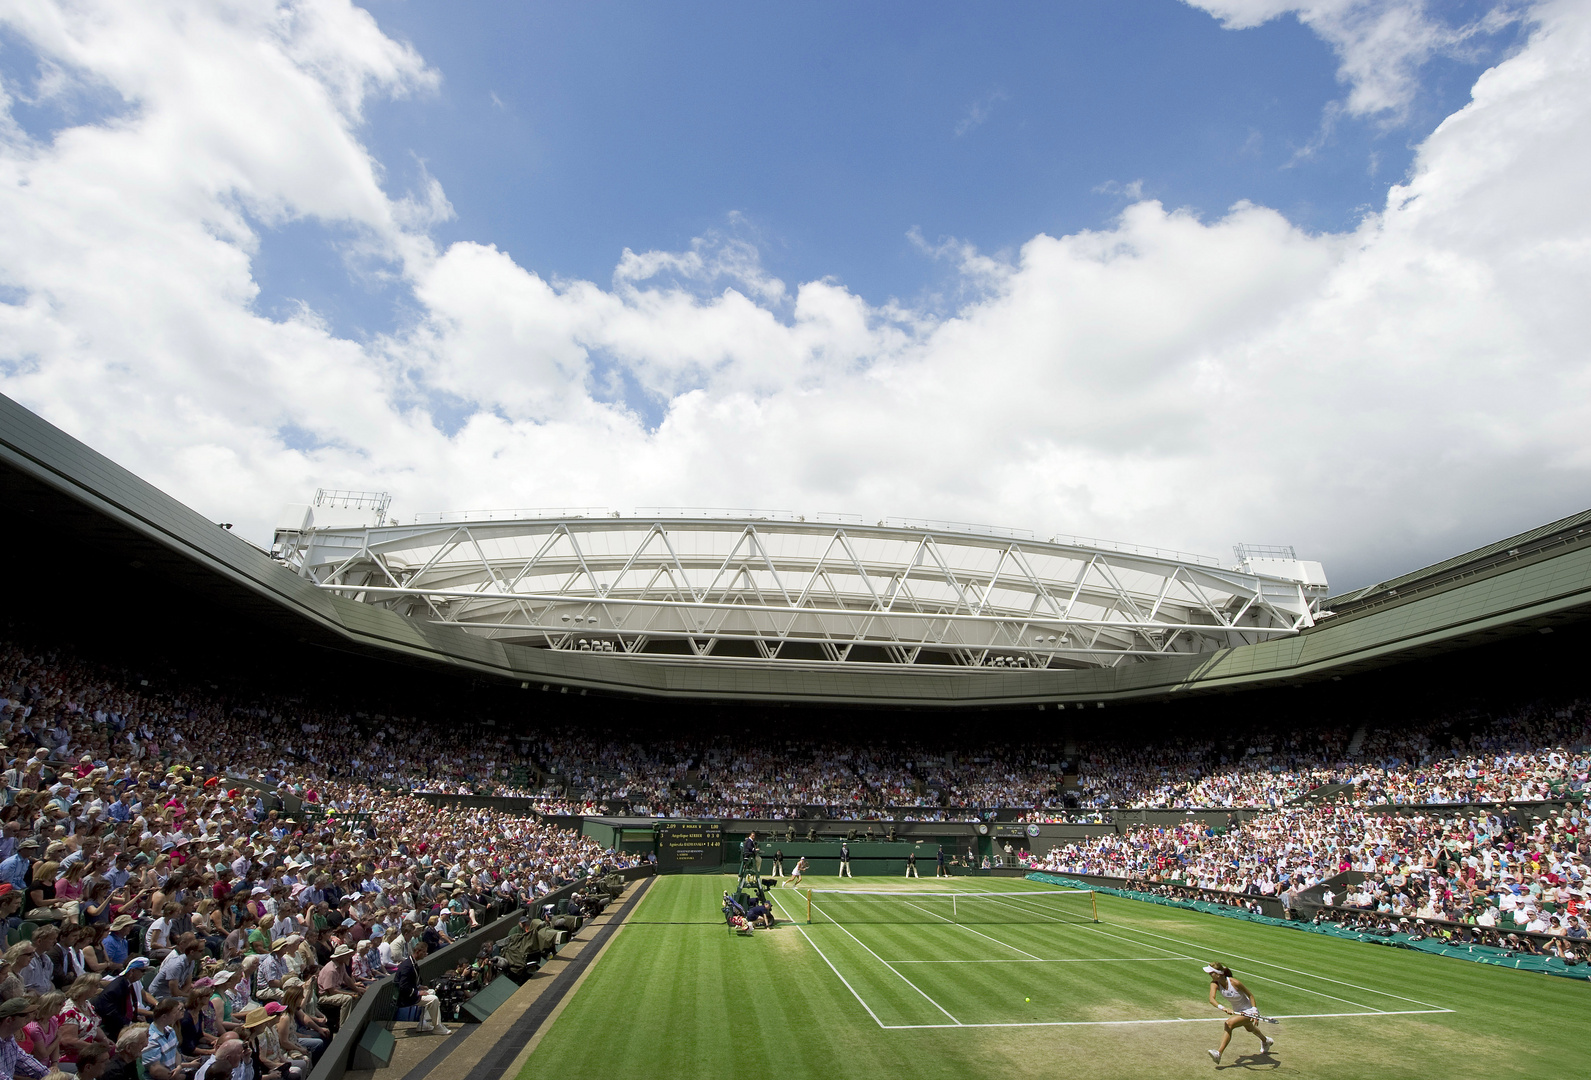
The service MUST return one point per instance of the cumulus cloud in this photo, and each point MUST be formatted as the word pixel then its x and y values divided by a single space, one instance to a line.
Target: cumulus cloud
pixel 1374 397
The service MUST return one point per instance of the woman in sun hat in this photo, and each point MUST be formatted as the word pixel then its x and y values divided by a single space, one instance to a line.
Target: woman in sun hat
pixel 260 1028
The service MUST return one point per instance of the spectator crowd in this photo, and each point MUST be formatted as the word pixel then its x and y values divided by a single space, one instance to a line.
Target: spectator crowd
pixel 192 883
pixel 1537 752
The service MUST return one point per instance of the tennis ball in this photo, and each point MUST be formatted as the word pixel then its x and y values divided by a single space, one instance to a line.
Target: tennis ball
pixel 1027 999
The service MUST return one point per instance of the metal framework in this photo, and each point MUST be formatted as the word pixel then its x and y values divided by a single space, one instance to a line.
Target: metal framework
pixel 773 589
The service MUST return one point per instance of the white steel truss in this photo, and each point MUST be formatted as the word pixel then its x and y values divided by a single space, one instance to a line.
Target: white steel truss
pixel 761 589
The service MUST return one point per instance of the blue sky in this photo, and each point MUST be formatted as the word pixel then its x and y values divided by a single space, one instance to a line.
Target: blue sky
pixel 827 133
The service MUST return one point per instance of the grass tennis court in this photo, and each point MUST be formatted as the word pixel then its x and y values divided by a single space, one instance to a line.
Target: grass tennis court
pixel 1029 986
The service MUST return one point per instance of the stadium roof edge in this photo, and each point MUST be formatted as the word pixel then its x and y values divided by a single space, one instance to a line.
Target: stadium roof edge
pixel 1549 583
pixel 1514 547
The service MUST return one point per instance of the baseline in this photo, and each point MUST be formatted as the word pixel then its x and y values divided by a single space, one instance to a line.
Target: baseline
pixel 1177 1020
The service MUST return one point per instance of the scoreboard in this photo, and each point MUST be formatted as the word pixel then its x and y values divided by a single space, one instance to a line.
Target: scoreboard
pixel 689 845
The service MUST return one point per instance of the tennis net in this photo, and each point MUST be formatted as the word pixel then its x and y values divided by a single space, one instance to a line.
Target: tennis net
pixel 1027 906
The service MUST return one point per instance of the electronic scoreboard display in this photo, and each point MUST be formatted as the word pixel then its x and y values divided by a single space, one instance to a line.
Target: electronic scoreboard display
pixel 689 845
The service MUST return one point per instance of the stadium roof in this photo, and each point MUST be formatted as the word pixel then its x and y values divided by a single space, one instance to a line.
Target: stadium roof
pixel 770 590
pixel 77 496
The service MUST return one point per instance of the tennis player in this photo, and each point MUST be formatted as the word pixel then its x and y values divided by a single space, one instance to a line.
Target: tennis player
pixel 800 869
pixel 1245 1013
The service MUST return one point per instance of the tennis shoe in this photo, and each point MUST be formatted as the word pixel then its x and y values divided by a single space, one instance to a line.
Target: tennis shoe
pixel 1266 1043
pixel 1215 1056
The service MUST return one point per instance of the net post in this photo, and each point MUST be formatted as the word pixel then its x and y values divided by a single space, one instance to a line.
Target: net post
pixel 809 907
pixel 955 916
pixel 1093 902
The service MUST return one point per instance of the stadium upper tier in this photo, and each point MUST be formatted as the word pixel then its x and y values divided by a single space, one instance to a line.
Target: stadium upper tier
pixel 761 587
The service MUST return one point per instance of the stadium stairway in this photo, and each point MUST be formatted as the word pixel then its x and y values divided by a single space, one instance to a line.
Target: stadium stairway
pixel 1357 741
pixel 497 1046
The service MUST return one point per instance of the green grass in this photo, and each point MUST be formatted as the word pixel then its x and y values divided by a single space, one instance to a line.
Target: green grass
pixel 677 996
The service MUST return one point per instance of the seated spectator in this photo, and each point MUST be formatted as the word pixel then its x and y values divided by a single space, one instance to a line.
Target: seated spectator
pixel 229 1060
pixel 260 1028
pixel 162 1060
pixel 179 969
pixel 92 1061
pixel 157 939
pixel 42 1034
pixel 301 1034
pixel 338 988
pixel 15 1014
pixel 130 1045
pixel 80 1024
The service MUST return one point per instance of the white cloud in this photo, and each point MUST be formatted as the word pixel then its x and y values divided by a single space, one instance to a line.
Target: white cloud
pixel 979 111
pixel 1380 44
pixel 1372 397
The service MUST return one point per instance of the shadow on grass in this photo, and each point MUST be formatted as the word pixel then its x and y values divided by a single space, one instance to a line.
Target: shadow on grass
pixel 1262 1062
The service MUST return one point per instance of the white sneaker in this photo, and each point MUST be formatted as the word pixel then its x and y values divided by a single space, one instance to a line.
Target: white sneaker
pixel 422 1027
pixel 1266 1044
pixel 443 1029
pixel 1215 1056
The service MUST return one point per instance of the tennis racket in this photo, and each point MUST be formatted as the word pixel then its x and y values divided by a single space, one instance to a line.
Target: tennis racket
pixel 1251 1016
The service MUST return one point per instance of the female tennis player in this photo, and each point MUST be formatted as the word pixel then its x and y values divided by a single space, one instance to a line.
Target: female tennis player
pixel 1245 1013
pixel 800 868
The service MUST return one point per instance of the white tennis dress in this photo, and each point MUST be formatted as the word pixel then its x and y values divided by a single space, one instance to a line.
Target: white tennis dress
pixel 1239 1001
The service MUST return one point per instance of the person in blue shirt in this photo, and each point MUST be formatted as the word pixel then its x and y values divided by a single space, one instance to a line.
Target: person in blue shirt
pixel 14 871
pixel 115 943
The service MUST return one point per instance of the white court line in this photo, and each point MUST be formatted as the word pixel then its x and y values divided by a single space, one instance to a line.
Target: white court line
pixel 1178 1020
pixel 902 978
pixel 832 968
pixel 1067 960
pixel 1262 978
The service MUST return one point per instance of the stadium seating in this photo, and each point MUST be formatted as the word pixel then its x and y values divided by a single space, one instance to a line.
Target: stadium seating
pixel 277 819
